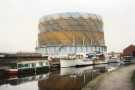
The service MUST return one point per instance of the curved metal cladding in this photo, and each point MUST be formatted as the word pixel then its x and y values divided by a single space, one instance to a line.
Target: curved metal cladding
pixel 70 33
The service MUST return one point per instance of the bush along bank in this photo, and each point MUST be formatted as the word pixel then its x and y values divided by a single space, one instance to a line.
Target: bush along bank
pixel 133 79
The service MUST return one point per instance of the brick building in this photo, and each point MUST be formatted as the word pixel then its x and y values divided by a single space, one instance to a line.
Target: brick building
pixel 129 51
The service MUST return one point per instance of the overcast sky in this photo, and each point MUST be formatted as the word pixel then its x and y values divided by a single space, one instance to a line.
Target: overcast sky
pixel 19 21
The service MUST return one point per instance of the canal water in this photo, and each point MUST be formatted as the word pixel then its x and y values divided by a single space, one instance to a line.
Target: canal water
pixel 63 79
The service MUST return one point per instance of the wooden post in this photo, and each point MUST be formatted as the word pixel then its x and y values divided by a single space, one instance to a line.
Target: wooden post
pixel 35 68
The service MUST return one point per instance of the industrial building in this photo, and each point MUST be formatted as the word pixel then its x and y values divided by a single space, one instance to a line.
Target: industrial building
pixel 70 33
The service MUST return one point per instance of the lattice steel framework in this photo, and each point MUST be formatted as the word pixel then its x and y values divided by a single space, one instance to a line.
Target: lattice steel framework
pixel 70 30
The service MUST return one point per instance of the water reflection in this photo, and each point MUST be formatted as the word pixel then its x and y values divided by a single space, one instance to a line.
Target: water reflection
pixel 71 78
pixel 64 79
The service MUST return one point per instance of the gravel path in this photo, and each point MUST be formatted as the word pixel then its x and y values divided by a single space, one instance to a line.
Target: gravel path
pixel 118 80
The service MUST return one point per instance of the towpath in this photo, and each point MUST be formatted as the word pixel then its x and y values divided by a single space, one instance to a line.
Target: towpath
pixel 117 80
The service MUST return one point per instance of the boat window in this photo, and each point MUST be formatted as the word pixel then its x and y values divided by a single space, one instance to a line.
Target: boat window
pixel 23 65
pixel 79 56
pixel 33 65
pixel 46 63
pixel 41 63
pixel 89 56
pixel 26 65
pixel 19 65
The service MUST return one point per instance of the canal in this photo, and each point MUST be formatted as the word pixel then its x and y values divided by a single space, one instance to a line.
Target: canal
pixel 63 79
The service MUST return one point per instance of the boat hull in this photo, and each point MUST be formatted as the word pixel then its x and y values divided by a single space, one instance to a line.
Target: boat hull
pixel 75 63
pixel 12 72
pixel 84 62
pixel 67 63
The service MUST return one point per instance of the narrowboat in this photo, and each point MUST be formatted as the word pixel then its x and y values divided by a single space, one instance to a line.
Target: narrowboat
pixel 26 66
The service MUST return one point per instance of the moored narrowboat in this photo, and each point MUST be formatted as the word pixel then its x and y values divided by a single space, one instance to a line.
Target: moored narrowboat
pixel 26 66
